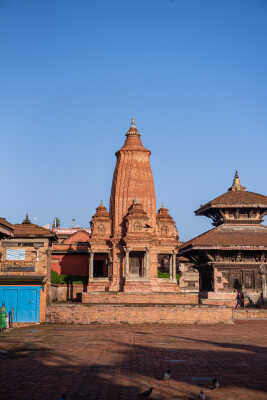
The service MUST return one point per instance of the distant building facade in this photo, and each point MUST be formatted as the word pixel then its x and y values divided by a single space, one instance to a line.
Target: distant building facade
pixel 25 269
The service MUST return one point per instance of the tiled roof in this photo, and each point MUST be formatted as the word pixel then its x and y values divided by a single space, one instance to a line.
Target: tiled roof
pixel 32 230
pixel 235 198
pixel 4 222
pixel 229 236
pixel 68 231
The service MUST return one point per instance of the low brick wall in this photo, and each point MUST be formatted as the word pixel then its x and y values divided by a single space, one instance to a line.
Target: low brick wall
pixel 135 314
pixel 64 292
pixel 139 298
pixel 249 314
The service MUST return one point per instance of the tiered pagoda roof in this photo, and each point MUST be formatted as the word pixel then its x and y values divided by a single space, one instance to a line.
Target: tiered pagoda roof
pixel 6 228
pixel 230 236
pixel 236 206
pixel 27 229
pixel 237 215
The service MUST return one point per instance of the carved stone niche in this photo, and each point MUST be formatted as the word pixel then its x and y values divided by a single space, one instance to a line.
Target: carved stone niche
pixel 165 224
pixel 101 222
pixel 136 220
pixel 189 276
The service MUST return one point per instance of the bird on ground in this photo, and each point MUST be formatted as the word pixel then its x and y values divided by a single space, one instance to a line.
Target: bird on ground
pixel 167 375
pixel 216 383
pixel 146 393
pixel 202 395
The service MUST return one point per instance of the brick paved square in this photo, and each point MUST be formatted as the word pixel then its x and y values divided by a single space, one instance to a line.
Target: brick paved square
pixel 117 362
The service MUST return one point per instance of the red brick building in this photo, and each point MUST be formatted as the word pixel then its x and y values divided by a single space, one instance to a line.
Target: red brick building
pixel 24 269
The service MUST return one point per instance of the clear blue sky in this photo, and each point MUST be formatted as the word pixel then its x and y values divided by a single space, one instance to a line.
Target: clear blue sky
pixel 72 73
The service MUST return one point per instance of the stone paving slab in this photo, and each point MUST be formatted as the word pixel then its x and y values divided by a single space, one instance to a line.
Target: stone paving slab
pixel 117 362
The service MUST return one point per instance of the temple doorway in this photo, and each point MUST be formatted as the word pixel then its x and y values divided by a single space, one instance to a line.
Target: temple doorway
pixel 206 279
pixel 100 265
pixel 136 264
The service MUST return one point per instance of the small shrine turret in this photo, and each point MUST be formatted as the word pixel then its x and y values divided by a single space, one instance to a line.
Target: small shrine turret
pixel 100 223
pixel 165 224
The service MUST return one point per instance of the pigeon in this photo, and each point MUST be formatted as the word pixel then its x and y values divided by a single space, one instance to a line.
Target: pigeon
pixel 146 393
pixel 216 382
pixel 202 395
pixel 167 375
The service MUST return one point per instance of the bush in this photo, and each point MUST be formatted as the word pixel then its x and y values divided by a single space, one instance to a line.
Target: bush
pixel 166 275
pixel 62 279
pixel 56 278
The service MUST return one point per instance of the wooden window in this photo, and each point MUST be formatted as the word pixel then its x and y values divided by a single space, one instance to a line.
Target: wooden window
pixel 249 279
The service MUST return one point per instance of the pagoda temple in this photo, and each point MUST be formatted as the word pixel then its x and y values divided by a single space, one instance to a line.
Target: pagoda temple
pixel 233 255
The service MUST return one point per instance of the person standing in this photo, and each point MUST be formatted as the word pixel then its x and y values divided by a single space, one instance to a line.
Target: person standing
pixel 238 300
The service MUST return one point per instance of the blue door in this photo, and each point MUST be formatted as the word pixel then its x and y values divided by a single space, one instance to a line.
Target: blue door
pixel 25 300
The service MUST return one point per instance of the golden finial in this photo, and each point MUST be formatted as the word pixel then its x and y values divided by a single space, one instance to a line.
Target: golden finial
pixel 26 220
pixel 133 123
pixel 236 186
pixel 236 181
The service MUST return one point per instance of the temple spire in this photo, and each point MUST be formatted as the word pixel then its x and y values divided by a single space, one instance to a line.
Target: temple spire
pixel 236 186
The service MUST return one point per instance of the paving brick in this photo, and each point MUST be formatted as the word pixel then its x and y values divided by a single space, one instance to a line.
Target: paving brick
pixel 118 361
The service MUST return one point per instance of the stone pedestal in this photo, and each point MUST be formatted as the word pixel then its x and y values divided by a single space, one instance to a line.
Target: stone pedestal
pixel 189 279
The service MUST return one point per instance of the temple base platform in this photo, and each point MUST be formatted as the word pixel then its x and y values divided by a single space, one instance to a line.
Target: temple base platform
pixel 140 298
pixel 218 299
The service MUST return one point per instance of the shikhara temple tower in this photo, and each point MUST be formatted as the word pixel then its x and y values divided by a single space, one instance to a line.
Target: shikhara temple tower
pixel 133 247
pixel 233 255
pixel 132 181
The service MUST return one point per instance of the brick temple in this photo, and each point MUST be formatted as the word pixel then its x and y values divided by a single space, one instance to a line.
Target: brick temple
pixel 131 248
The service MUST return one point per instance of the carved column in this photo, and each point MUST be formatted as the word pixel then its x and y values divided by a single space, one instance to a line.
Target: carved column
pixel 147 261
pixel 126 262
pixel 263 273
pixel 173 264
pixel 91 266
pixel 110 265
